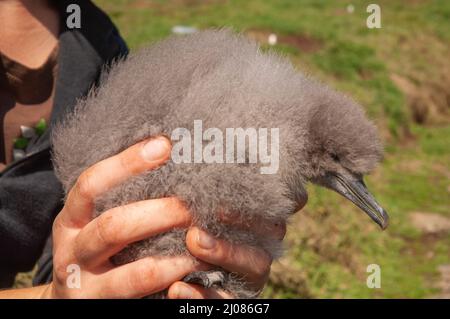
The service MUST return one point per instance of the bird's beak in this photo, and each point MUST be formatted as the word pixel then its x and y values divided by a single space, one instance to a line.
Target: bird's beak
pixel 356 191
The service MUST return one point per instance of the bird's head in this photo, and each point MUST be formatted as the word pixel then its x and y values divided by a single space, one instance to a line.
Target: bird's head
pixel 343 146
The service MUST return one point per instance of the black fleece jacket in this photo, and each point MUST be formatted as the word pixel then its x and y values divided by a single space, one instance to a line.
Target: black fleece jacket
pixel 30 194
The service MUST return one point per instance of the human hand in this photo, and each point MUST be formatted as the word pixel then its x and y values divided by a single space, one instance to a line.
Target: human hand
pixel 88 243
pixel 250 263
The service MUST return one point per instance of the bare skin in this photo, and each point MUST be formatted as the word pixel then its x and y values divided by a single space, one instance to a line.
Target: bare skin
pixel 28 30
pixel 79 239
pixel 28 33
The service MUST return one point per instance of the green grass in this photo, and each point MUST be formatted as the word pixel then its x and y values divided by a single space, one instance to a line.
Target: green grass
pixel 330 242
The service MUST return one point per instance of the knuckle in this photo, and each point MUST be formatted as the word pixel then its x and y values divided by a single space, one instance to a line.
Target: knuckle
pixel 107 229
pixel 57 225
pixel 263 263
pixel 143 278
pixel 60 264
pixel 58 230
pixel 84 186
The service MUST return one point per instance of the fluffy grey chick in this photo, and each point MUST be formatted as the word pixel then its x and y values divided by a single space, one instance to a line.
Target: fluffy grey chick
pixel 226 81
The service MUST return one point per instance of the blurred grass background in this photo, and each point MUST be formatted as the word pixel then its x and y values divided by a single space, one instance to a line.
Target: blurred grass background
pixel 401 74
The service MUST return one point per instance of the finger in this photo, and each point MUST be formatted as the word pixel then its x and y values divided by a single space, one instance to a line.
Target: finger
pixel 252 263
pixel 182 290
pixel 146 276
pixel 109 233
pixel 264 227
pixel 61 235
pixel 108 173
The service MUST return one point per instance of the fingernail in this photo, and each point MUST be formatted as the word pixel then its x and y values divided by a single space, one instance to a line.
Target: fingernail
pixel 205 241
pixel 155 149
pixel 183 292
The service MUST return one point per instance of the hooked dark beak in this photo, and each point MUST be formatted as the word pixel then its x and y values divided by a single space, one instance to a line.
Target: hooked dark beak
pixel 356 191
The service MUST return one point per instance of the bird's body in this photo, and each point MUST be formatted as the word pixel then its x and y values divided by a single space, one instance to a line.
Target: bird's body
pixel 224 81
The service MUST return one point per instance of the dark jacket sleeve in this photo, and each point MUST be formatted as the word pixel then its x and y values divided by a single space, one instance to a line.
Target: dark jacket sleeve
pixel 30 194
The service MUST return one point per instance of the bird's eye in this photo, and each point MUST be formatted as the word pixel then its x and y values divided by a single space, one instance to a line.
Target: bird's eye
pixel 335 157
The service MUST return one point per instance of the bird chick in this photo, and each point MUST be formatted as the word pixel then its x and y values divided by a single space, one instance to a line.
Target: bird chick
pixel 225 81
